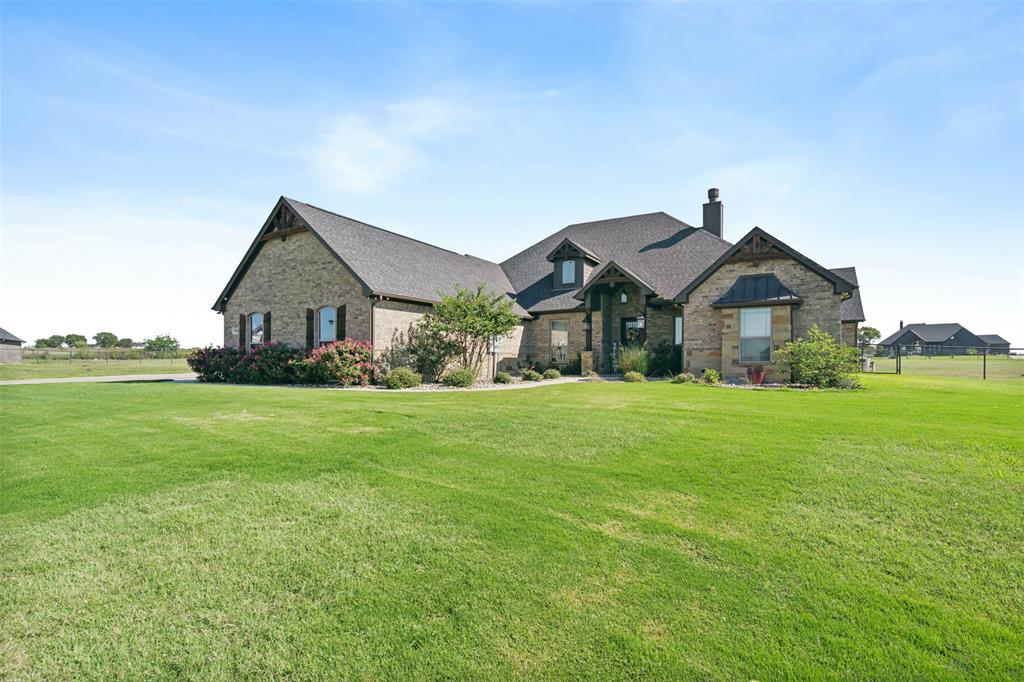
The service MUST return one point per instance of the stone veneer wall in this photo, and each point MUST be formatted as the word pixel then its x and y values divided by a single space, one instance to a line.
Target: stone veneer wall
pixel 536 338
pixel 707 343
pixel 850 333
pixel 285 278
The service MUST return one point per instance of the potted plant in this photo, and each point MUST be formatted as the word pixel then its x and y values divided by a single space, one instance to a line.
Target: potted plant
pixel 756 374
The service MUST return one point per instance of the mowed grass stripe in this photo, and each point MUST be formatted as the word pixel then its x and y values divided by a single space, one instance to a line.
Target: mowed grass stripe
pixel 582 530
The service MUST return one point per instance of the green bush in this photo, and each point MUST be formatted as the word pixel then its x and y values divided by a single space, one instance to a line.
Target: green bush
pixel 684 378
pixel 634 359
pixel 531 375
pixel 711 376
pixel 820 360
pixel 402 377
pixel 552 374
pixel 634 377
pixel 271 363
pixel 460 377
pixel 572 367
pixel 503 378
pixel 666 360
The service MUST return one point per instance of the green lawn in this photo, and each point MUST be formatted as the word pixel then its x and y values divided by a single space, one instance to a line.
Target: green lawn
pixel 45 369
pixel 591 531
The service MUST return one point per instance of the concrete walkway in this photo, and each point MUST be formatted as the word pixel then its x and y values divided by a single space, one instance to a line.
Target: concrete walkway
pixel 187 376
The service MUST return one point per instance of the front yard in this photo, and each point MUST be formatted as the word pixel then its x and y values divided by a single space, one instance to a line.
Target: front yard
pixel 579 530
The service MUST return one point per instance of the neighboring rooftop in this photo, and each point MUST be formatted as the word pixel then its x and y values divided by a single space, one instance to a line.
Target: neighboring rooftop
pixel 7 337
pixel 928 333
pixel 993 339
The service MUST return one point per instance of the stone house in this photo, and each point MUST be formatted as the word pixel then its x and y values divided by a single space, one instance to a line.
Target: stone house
pixel 311 276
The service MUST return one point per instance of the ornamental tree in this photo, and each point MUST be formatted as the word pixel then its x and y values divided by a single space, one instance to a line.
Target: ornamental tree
pixel 471 319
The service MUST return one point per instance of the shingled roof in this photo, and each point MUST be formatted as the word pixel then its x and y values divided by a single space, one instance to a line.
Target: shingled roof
pixel 928 333
pixel 389 264
pixel 9 337
pixel 852 309
pixel 993 339
pixel 663 251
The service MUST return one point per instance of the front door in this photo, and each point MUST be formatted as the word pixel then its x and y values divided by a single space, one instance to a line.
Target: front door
pixel 629 333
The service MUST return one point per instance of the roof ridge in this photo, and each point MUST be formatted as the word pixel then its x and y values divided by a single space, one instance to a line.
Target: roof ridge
pixel 392 232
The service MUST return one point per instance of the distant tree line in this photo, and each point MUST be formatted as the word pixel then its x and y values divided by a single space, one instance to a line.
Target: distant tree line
pixel 162 342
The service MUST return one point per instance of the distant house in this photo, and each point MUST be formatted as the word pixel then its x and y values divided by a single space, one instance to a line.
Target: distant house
pixel 10 346
pixel 997 345
pixel 949 338
pixel 311 276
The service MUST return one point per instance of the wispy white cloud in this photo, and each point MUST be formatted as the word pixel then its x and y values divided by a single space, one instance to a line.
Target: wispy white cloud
pixel 357 154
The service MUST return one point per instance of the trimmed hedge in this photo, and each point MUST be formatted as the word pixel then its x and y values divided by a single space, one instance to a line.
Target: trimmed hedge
pixel 503 378
pixel 531 375
pixel 552 374
pixel 634 377
pixel 460 377
pixel 402 377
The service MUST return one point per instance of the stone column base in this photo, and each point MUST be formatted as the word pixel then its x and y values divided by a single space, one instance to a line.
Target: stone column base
pixel 586 361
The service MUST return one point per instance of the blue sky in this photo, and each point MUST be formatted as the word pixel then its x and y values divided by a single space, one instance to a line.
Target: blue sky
pixel 144 145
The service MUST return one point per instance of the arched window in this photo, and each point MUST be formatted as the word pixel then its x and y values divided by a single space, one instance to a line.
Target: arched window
pixel 327 325
pixel 255 329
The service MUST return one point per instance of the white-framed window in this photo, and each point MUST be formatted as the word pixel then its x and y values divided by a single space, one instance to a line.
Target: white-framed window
pixel 755 334
pixel 255 329
pixel 327 325
pixel 568 272
pixel 677 334
pixel 559 340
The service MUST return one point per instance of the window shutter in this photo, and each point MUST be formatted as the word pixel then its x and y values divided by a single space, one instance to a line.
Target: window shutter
pixel 242 333
pixel 309 329
pixel 266 327
pixel 341 323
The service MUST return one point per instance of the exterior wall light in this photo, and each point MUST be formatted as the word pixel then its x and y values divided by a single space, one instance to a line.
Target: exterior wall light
pixel 640 321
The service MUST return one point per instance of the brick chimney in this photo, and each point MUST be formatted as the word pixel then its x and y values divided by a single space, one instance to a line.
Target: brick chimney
pixel 714 213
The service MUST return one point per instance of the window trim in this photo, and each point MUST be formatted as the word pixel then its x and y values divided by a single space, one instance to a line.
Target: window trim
pixel 742 337
pixel 317 337
pixel 551 341
pixel 572 263
pixel 249 343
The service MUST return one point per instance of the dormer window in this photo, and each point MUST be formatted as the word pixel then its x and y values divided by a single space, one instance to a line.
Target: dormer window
pixel 568 272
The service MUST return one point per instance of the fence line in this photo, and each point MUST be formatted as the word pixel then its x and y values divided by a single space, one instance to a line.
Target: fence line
pixel 105 354
pixel 982 362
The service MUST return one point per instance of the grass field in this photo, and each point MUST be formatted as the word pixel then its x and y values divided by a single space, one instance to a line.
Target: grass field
pixel 591 531
pixel 966 366
pixel 44 369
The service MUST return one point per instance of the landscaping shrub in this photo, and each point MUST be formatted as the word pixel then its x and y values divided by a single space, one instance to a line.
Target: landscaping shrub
pixel 684 378
pixel 218 365
pixel 634 377
pixel 344 363
pixel 711 376
pixel 572 367
pixel 402 377
pixel 531 375
pixel 552 373
pixel 460 377
pixel 503 378
pixel 666 360
pixel 820 360
pixel 427 348
pixel 634 359
pixel 271 363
